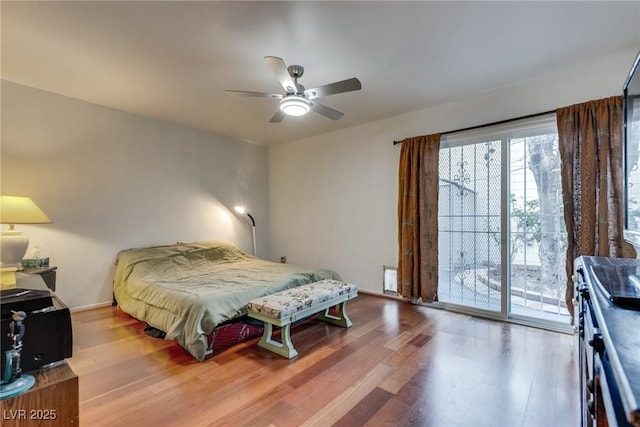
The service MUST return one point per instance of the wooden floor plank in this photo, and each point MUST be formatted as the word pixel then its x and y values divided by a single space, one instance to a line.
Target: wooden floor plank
pixel 399 365
pixel 365 408
pixel 347 401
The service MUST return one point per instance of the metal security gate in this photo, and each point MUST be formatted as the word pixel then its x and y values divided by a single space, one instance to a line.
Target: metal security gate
pixel 470 224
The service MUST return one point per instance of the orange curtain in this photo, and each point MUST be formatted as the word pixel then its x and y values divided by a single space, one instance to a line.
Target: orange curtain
pixel 418 218
pixel 590 143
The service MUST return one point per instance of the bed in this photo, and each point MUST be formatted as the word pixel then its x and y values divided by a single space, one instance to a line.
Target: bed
pixel 191 292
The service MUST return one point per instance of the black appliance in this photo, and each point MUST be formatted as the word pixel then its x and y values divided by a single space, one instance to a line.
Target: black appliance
pixel 48 334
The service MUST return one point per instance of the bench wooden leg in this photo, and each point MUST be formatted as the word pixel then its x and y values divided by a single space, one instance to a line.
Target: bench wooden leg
pixel 341 320
pixel 284 348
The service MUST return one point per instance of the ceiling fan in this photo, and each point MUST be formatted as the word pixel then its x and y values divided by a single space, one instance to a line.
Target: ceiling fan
pixel 297 101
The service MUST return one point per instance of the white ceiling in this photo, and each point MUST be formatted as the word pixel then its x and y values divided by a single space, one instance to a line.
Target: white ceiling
pixel 173 60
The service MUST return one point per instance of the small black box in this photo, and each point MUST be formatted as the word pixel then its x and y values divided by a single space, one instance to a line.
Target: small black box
pixel 48 334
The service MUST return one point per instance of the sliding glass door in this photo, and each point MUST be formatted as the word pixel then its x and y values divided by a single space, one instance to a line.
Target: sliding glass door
pixel 538 236
pixel 502 240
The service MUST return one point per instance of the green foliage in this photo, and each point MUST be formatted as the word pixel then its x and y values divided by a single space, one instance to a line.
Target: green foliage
pixel 525 225
pixel 526 219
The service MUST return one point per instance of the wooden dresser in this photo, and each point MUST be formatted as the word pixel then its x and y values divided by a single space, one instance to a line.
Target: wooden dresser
pixel 609 345
pixel 51 402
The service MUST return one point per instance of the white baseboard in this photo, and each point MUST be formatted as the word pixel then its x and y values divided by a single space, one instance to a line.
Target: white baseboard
pixel 91 306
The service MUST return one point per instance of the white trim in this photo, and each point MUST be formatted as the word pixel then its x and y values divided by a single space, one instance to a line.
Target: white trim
pixel 494 133
pixel 90 307
pixel 547 325
pixel 505 225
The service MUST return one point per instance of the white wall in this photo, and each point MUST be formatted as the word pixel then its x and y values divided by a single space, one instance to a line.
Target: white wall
pixel 332 198
pixel 111 180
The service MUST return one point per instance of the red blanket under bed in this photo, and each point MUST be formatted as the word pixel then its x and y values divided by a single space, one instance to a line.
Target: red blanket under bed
pixel 230 334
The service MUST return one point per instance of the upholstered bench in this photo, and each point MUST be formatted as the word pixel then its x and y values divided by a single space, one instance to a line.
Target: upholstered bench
pixel 285 307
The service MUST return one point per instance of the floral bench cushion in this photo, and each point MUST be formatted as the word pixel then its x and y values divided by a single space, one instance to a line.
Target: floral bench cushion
pixel 286 303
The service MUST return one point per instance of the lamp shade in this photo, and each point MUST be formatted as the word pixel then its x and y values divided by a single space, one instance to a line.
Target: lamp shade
pixel 21 210
pixel 13 245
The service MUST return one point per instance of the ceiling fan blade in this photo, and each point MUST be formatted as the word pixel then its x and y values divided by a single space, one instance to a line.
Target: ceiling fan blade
pixel 333 88
pixel 254 94
pixel 329 113
pixel 279 68
pixel 277 117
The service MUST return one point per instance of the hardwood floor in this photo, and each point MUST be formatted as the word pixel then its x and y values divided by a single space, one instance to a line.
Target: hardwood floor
pixel 399 365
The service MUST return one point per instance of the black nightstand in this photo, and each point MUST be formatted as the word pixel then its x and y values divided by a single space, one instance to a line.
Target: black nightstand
pixel 48 275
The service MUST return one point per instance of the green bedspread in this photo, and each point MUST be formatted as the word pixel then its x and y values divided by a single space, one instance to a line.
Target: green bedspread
pixel 186 290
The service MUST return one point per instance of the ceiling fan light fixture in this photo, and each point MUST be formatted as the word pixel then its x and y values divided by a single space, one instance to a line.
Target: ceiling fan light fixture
pixel 294 105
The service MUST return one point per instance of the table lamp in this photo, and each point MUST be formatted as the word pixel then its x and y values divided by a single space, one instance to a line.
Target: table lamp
pixel 13 244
